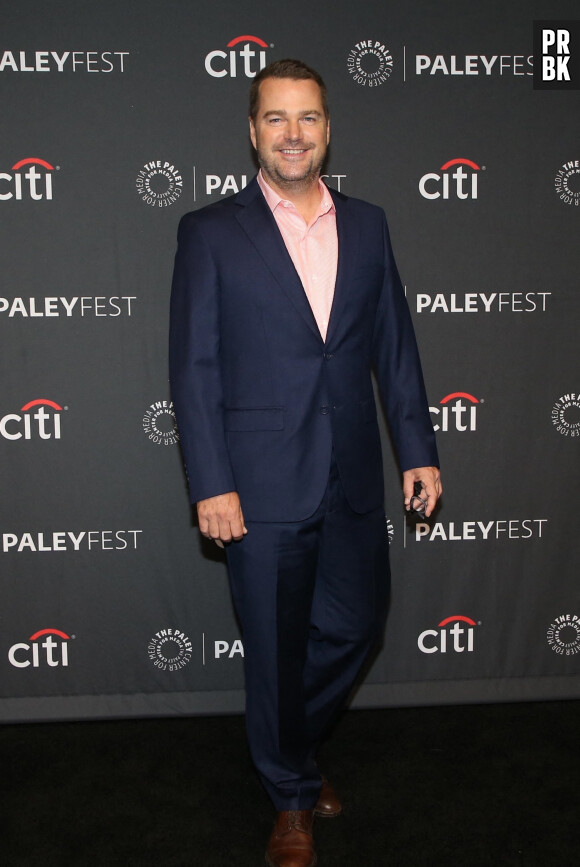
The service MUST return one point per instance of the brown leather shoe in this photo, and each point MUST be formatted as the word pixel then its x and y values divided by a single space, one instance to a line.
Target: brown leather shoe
pixel 328 804
pixel 291 843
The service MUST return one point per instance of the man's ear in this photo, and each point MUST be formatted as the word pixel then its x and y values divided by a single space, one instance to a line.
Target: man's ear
pixel 252 132
pixel 328 131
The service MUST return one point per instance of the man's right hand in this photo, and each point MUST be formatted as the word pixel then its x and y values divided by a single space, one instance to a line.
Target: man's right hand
pixel 221 519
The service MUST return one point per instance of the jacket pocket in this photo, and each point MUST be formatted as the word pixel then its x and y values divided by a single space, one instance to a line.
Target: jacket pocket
pixel 262 418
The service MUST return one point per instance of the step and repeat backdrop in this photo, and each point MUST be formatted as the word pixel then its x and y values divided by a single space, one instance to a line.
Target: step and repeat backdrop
pixel 463 122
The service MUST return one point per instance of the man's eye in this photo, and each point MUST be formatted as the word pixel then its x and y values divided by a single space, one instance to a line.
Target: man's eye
pixel 275 120
pixel 309 119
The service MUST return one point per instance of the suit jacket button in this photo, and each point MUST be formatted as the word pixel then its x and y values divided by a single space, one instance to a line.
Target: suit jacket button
pixel 324 410
pixel 328 355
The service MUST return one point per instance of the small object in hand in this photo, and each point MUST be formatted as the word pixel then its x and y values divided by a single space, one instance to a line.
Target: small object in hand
pixel 219 543
pixel 418 504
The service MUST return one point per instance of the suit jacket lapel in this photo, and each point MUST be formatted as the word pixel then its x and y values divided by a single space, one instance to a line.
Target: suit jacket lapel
pixel 259 224
pixel 348 247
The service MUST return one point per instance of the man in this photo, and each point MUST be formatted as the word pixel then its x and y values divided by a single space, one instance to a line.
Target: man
pixel 284 297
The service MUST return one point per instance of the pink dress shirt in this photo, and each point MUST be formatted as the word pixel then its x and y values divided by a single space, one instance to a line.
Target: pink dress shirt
pixel 313 248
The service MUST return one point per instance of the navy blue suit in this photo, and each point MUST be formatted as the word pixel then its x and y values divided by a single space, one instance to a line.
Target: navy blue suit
pixel 267 408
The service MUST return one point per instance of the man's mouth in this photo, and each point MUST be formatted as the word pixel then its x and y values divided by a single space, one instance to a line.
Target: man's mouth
pixel 293 150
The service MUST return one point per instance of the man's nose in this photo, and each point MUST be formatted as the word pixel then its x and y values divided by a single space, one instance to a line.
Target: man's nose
pixel 293 130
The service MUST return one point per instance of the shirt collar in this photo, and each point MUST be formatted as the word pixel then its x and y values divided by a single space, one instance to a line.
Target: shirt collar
pixel 274 200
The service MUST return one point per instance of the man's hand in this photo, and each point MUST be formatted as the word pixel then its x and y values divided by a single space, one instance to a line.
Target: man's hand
pixel 430 479
pixel 221 519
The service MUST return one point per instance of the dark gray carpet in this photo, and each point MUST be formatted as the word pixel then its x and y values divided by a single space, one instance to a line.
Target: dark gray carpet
pixel 453 786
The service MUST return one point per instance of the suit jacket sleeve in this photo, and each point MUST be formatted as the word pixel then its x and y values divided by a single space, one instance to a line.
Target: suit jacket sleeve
pixel 194 364
pixel 399 374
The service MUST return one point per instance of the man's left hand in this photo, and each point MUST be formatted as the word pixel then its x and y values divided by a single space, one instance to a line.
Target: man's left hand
pixel 430 479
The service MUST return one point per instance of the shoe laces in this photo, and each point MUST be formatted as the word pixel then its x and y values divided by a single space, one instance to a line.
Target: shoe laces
pixel 296 819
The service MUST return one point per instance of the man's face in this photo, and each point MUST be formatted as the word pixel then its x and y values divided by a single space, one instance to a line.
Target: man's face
pixel 291 132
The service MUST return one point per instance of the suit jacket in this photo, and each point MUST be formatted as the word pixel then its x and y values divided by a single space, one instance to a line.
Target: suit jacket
pixel 261 400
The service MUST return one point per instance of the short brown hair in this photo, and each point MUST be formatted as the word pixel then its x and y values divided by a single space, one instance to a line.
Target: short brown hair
pixel 294 69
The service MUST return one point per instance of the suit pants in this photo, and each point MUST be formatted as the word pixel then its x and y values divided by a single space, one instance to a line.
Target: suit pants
pixel 311 597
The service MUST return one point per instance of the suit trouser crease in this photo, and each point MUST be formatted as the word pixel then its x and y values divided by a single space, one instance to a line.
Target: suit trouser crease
pixel 311 597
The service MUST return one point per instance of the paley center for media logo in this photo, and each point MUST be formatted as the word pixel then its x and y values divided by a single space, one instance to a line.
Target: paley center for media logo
pixel 557 53
pixel 459 184
pixel 563 635
pixel 29 179
pixel 42 424
pixel 246 56
pixel 170 649
pixel 52 651
pixel 453 635
pixel 567 183
pixel 159 183
pixel 370 63
pixel 566 415
pixel 160 423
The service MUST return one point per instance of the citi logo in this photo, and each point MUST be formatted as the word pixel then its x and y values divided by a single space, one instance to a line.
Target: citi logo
pixel 457 411
pixel 43 423
pixel 435 186
pixel 455 639
pixel 244 55
pixel 29 184
pixel 55 652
